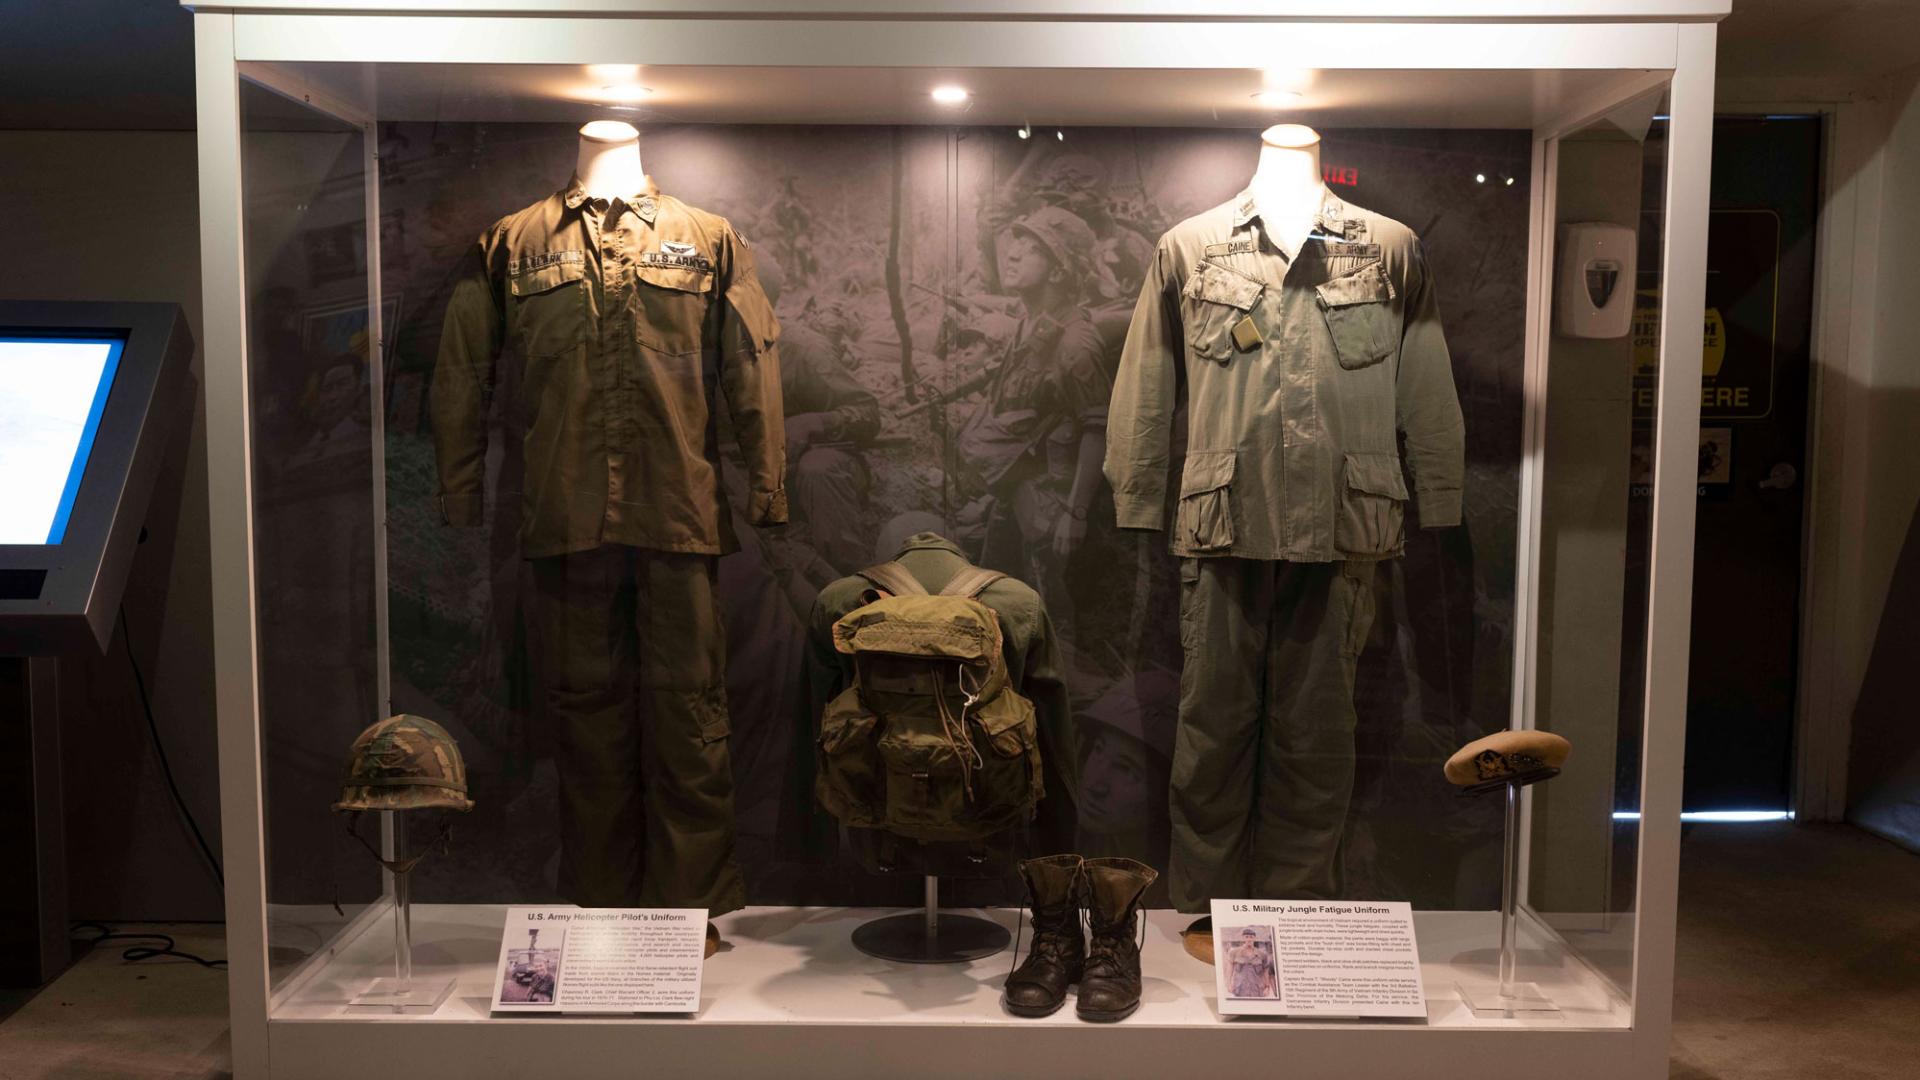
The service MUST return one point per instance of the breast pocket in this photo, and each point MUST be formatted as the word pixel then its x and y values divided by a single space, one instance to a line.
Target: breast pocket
pixel 1216 299
pixel 673 304
pixel 1359 317
pixel 549 302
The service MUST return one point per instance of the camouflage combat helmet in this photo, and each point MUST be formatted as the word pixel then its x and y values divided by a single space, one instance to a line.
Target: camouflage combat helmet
pixel 1061 232
pixel 405 763
pixel 1070 178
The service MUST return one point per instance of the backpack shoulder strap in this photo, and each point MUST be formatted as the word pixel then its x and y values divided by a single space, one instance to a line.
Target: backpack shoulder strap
pixel 891 577
pixel 971 582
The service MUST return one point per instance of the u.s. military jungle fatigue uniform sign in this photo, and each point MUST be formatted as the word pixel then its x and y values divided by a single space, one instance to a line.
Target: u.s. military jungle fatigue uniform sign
pixel 1301 371
pixel 626 313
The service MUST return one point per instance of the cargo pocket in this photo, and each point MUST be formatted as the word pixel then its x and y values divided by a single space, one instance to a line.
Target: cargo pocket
pixel 1357 574
pixel 925 796
pixel 1373 507
pixel 1204 519
pixel 549 301
pixel 1216 299
pixel 673 307
pixel 1358 315
pixel 851 784
pixel 1008 782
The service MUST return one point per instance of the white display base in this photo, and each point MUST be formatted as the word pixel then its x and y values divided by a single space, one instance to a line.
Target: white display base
pixel 421 996
pixel 1484 997
pixel 789 989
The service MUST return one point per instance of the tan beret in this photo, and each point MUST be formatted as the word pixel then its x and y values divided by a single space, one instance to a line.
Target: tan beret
pixel 1504 755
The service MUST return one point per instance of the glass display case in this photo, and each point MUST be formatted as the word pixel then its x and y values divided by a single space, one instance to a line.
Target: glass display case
pixel 580 458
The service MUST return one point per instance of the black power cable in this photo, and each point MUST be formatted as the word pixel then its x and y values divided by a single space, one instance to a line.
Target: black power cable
pixel 136 953
pixel 153 729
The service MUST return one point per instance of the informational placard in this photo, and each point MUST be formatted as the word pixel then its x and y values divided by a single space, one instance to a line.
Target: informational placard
pixel 1316 958
pixel 601 960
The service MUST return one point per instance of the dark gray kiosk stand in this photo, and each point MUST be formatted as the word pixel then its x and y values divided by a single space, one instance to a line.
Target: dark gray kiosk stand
pixel 90 395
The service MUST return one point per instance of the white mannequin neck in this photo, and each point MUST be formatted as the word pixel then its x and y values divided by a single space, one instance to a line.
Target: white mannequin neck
pixel 609 162
pixel 1287 186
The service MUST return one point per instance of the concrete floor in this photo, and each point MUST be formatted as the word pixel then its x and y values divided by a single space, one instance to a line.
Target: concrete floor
pixel 106 1019
pixel 1799 958
pixel 1799 955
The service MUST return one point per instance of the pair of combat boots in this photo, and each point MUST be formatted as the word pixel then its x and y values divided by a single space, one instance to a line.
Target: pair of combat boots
pixel 1104 960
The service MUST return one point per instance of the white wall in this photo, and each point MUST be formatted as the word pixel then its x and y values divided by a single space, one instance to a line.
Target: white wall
pixel 1864 441
pixel 112 215
pixel 1889 436
pixel 1882 491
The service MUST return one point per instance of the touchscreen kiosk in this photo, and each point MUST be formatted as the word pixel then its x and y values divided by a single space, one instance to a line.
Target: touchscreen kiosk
pixel 90 395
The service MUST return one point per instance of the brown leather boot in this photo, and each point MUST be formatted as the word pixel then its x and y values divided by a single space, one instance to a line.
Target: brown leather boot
pixel 1110 985
pixel 1038 987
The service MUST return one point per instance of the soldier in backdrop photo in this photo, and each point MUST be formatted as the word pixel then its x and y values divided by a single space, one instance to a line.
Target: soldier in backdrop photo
pixel 1125 738
pixel 1035 444
pixel 831 421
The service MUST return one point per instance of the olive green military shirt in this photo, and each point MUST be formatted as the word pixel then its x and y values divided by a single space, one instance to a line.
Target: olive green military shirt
pixel 1034 668
pixel 1301 373
pixel 625 312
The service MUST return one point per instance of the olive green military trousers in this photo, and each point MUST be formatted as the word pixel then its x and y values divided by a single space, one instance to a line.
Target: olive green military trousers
pixel 1263 759
pixel 632 665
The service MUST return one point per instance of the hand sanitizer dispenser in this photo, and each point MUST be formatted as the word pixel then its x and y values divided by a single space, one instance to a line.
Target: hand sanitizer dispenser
pixel 1594 298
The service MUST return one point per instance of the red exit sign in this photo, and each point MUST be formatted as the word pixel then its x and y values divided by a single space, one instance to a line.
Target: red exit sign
pixel 1344 175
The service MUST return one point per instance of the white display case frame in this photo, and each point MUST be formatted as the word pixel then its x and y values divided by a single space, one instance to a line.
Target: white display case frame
pixel 1669 43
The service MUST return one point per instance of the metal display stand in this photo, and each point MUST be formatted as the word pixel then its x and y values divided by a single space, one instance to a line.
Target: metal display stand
pixel 1507 996
pixel 402 992
pixel 929 937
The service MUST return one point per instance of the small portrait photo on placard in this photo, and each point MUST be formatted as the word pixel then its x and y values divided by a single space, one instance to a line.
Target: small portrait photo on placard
pixel 531 975
pixel 1247 956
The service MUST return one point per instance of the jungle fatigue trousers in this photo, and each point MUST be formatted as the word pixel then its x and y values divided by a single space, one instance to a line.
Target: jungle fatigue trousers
pixel 633 661
pixel 1263 761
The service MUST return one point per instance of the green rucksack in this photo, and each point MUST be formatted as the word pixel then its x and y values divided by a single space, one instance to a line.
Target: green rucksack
pixel 930 742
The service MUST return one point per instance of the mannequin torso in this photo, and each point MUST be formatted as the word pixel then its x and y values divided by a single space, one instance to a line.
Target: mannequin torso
pixel 1287 185
pixel 609 161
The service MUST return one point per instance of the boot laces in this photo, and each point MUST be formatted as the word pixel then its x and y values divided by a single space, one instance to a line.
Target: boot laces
pixel 1108 948
pixel 1049 942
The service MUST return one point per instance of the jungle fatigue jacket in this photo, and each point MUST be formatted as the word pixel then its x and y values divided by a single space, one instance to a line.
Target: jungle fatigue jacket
pixel 1298 373
pixel 622 312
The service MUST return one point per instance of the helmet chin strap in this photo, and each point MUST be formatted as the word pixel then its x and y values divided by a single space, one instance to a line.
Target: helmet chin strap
pixel 440 843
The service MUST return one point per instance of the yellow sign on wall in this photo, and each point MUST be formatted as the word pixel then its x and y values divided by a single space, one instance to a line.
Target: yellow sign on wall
pixel 1646 337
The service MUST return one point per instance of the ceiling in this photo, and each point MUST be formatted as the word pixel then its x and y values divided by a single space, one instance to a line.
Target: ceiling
pixel 1819 39
pixel 128 64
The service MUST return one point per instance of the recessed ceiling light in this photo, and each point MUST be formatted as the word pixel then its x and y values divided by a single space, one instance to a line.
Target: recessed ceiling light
pixel 1025 131
pixel 1479 178
pixel 951 95
pixel 624 92
pixel 1274 99
pixel 614 73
